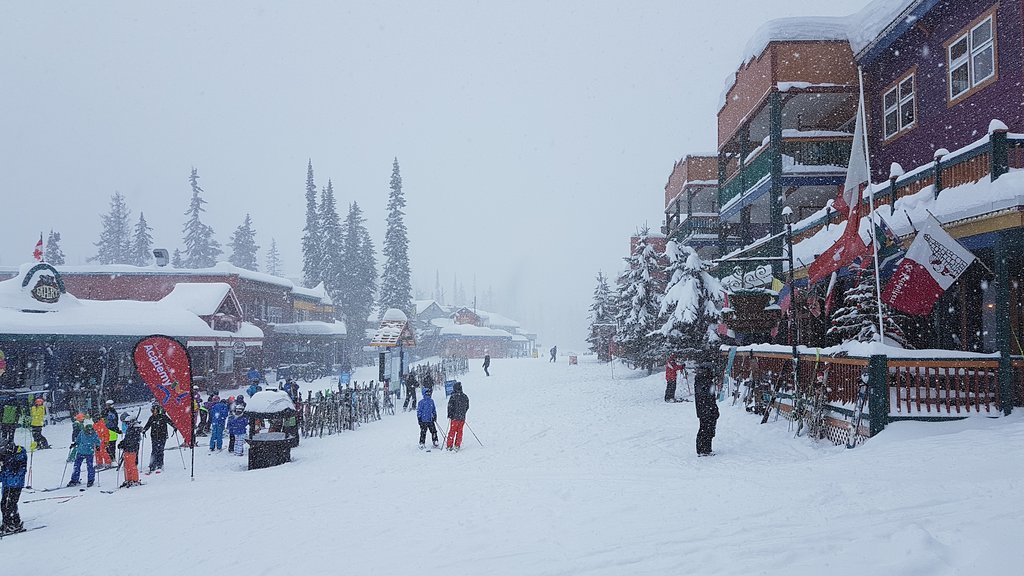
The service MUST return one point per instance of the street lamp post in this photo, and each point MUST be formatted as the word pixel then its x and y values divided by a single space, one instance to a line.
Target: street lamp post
pixel 792 330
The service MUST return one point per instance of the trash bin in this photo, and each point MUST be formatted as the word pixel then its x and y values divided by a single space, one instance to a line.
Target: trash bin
pixel 268 449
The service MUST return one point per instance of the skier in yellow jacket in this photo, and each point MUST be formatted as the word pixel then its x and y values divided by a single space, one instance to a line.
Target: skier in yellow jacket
pixel 37 415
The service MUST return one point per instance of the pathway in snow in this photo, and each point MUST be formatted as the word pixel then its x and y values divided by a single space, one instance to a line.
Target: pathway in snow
pixel 581 471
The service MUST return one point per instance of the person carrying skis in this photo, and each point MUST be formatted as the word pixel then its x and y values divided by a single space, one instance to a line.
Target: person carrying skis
pixel 458 405
pixel 158 422
pixel 426 413
pixel 113 421
pixel 706 400
pixel 410 391
pixel 487 364
pixel 130 450
pixel 672 368
pixel 103 459
pixel 37 413
pixel 87 444
pixel 237 426
pixel 218 417
pixel 13 466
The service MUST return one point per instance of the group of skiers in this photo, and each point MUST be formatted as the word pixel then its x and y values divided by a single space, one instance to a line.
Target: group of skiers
pixel 705 395
pixel 31 414
pixel 426 416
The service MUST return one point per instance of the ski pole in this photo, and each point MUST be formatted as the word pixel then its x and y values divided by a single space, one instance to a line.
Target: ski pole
pixel 183 466
pixel 67 461
pixel 474 434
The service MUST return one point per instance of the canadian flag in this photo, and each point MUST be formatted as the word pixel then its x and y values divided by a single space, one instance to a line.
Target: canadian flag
pixel 933 262
pixel 38 252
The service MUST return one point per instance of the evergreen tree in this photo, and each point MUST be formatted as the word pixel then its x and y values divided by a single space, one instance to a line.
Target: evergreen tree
pixel 312 258
pixel 115 242
pixel 639 337
pixel 142 243
pixel 857 319
pixel 176 260
pixel 602 319
pixel 395 281
pixel 691 305
pixel 244 247
pixel 53 254
pixel 330 243
pixel 356 289
pixel 438 290
pixel 273 259
pixel 201 248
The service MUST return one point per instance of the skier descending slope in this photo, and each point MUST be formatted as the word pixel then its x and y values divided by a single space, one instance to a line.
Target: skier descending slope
pixel 426 413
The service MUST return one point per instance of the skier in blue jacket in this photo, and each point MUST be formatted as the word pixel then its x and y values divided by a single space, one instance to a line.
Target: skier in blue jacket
pixel 87 444
pixel 218 416
pixel 426 413
pixel 13 464
pixel 238 424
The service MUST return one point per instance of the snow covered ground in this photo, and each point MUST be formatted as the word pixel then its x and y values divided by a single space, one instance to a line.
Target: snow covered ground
pixel 583 470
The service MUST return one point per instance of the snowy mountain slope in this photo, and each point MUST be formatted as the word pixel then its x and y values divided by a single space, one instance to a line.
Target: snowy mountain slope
pixel 584 470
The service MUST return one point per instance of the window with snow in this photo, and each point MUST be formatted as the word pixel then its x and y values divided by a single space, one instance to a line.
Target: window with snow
pixel 972 58
pixel 900 113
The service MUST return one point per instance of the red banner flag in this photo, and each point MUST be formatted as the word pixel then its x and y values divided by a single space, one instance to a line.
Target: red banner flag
pixel 933 262
pixel 38 252
pixel 164 366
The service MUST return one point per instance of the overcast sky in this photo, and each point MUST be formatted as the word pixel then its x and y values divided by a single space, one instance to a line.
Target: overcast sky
pixel 534 137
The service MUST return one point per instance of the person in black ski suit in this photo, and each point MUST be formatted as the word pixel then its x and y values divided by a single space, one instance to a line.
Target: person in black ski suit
pixel 706 401
pixel 159 422
pixel 487 364
pixel 458 405
pixel 410 391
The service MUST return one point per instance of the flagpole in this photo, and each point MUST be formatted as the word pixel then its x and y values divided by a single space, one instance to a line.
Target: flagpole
pixel 871 206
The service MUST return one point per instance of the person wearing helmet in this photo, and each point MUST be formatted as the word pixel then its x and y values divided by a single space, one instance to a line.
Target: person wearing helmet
pixel 87 444
pixel 13 465
pixel 130 450
pixel 458 405
pixel 9 417
pixel 76 429
pixel 158 423
pixel 37 413
pixel 238 423
pixel 426 413
pixel 103 459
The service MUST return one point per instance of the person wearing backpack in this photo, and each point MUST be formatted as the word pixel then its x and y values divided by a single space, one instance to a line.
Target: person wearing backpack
pixel 130 450
pixel 13 466
pixel 426 413
pixel 458 405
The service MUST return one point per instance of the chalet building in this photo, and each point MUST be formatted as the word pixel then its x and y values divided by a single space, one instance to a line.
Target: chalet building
pixel 691 204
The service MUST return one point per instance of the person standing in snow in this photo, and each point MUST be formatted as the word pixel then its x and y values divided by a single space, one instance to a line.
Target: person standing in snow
pixel 487 364
pixel 87 444
pixel 672 368
pixel 410 391
pixel 218 418
pixel 13 466
pixel 112 420
pixel 130 450
pixel 158 423
pixel 706 400
pixel 37 414
pixel 458 405
pixel 237 426
pixel 103 459
pixel 76 429
pixel 426 413
pixel 554 353
pixel 9 419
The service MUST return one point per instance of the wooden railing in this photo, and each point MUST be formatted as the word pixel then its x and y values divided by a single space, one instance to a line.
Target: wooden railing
pixel 944 387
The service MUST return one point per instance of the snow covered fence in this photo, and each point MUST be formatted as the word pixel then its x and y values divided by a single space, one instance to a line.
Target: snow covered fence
pixel 917 384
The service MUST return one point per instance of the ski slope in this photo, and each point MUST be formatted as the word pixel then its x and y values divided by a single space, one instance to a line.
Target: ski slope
pixel 583 470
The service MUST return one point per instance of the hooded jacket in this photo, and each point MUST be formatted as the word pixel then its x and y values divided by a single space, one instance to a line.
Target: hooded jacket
pixel 159 423
pixel 458 404
pixel 132 438
pixel 88 441
pixel 425 411
pixel 15 464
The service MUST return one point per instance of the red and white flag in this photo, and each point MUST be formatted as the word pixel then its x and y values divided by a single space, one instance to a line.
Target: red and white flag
pixel 932 263
pixel 849 246
pixel 38 252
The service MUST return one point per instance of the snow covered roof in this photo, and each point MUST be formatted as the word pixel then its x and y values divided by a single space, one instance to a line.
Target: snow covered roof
pixel 268 402
pixel 200 298
pixel 878 19
pixel 394 315
pixel 422 305
pixel 796 29
pixel 442 322
pixel 311 327
pixel 468 330
pixel 496 320
pixel 317 293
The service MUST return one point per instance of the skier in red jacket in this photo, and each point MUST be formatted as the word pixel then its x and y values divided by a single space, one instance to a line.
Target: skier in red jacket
pixel 672 367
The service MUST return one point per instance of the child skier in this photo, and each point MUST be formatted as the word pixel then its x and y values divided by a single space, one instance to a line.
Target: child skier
pixel 13 465
pixel 38 419
pixel 458 405
pixel 427 415
pixel 103 460
pixel 130 450
pixel 218 417
pixel 237 426
pixel 87 444
pixel 76 429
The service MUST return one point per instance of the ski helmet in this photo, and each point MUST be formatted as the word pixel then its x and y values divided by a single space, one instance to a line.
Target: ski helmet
pixel 39 401
pixel 427 391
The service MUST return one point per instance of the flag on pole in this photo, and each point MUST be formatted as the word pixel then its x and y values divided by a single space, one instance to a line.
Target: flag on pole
pixel 890 252
pixel 933 262
pixel 849 246
pixel 38 252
